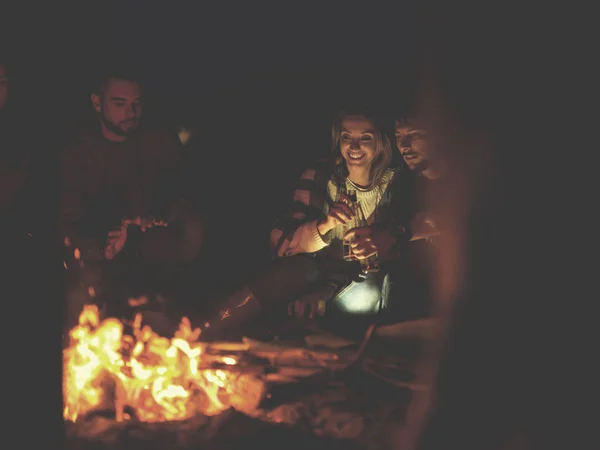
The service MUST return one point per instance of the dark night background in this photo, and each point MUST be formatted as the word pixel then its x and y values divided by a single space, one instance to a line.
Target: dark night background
pixel 261 85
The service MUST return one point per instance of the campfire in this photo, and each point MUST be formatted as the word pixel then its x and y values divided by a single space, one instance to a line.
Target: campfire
pixel 126 386
pixel 128 368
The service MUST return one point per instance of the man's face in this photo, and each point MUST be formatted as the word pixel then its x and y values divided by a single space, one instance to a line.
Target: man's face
pixel 3 86
pixel 357 141
pixel 119 105
pixel 413 145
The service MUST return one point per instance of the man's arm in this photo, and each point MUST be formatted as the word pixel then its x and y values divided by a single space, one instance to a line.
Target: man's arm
pixel 71 208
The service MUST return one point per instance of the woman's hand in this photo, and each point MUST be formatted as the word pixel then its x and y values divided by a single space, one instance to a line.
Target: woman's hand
pixel 340 213
pixel 369 241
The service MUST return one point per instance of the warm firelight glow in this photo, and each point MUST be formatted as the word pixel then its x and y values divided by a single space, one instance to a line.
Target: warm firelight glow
pixel 155 377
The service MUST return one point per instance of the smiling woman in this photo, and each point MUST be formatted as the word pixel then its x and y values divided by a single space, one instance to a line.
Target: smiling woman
pixel 360 162
pixel 363 147
pixel 307 240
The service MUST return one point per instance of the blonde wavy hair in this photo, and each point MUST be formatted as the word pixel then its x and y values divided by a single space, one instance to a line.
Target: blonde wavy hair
pixel 383 147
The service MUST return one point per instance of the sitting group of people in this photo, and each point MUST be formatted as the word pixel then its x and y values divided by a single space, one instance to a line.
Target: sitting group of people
pixel 355 241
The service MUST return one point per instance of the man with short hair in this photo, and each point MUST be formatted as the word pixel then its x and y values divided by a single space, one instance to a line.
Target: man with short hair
pixel 120 205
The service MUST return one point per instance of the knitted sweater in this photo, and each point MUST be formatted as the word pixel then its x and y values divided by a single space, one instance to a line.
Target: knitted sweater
pixel 296 231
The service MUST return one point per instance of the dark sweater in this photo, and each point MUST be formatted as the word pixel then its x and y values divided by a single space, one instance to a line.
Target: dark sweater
pixel 103 182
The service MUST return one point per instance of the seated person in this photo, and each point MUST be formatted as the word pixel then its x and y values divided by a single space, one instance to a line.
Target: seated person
pixel 310 268
pixel 322 212
pixel 121 212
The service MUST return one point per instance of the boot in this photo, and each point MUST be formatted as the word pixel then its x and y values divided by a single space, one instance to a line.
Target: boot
pixel 238 309
pixel 282 282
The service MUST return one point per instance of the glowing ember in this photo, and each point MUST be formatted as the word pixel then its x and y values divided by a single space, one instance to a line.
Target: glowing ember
pixel 157 377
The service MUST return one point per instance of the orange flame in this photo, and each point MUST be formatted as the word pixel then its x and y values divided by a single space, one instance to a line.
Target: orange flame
pixel 159 378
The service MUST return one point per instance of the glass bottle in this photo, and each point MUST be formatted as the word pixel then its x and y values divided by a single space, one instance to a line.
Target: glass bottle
pixel 370 264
